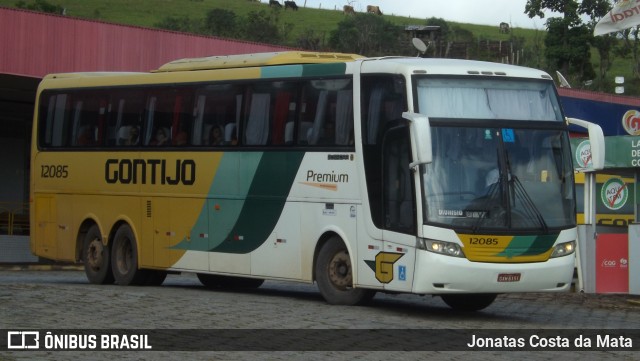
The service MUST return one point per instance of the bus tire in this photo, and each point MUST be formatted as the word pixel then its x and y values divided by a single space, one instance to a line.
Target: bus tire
pixel 469 302
pixel 96 258
pixel 334 276
pixel 124 258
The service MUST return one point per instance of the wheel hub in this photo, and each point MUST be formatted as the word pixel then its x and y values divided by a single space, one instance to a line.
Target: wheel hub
pixel 94 254
pixel 340 270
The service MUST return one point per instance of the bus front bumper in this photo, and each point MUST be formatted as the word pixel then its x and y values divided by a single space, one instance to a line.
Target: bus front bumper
pixel 439 274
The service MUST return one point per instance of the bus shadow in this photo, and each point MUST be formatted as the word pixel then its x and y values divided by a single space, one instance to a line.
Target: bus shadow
pixel 406 305
pixel 433 308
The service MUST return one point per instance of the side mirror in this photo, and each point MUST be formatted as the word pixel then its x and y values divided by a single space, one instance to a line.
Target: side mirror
pixel 596 140
pixel 420 130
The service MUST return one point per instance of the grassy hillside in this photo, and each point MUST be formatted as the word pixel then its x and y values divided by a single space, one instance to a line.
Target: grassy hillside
pixel 150 12
pixel 147 13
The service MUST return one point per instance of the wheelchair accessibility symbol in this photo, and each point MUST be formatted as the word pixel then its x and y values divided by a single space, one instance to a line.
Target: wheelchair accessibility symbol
pixel 402 273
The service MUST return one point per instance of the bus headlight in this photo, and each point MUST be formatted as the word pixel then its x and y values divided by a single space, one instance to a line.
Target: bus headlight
pixel 441 247
pixel 563 249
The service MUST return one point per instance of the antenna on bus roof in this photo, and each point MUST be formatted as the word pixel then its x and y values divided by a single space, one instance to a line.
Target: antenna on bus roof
pixel 420 46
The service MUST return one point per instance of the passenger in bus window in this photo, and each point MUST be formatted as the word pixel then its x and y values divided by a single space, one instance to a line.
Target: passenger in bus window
pixel 87 135
pixel 215 136
pixel 182 138
pixel 133 136
pixel 161 137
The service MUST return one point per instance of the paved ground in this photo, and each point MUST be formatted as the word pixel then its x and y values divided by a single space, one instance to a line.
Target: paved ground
pixel 63 299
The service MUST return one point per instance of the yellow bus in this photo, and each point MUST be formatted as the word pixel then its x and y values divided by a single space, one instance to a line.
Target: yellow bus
pixel 392 174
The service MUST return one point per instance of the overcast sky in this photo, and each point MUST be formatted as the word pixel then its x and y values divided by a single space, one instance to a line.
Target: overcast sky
pixel 486 12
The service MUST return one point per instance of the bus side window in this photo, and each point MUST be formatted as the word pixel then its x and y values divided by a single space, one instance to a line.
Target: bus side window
pixel 399 199
pixel 87 114
pixel 384 103
pixel 54 120
pixel 216 117
pixel 283 107
pixel 269 111
pixel 200 131
pixel 129 110
pixel 257 126
pixel 344 118
pixel 182 121
pixel 317 129
pixel 383 100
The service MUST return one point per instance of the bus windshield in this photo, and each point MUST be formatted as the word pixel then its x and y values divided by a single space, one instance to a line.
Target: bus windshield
pixel 473 98
pixel 508 168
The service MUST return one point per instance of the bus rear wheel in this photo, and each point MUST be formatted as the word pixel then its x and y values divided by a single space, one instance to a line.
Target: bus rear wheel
pixel 124 258
pixel 469 302
pixel 334 275
pixel 96 257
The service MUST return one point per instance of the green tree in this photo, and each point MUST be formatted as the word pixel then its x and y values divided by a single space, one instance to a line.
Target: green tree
pixel 264 26
pixel 179 23
pixel 368 35
pixel 439 45
pixel 568 40
pixel 309 39
pixel 42 6
pixel 596 10
pixel 221 22
pixel 631 48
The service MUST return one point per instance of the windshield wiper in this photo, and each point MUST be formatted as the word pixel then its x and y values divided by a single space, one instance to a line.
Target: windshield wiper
pixel 514 190
pixel 490 198
pixel 529 206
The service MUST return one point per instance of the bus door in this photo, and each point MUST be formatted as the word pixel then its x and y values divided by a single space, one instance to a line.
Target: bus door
pixel 399 211
pixel 386 152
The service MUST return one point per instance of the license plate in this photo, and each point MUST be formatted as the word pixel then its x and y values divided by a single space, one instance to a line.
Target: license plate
pixel 509 277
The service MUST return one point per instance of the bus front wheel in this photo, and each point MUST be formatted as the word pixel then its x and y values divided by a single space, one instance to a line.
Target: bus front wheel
pixel 96 258
pixel 124 258
pixel 469 302
pixel 334 275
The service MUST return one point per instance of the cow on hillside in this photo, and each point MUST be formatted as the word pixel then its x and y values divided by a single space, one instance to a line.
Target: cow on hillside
pixel 348 10
pixel 374 9
pixel 275 3
pixel 504 28
pixel 290 4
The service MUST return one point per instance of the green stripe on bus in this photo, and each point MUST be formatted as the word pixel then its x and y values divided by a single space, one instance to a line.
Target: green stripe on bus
pixel 225 200
pixel 324 69
pixel 528 245
pixel 288 71
pixel 264 203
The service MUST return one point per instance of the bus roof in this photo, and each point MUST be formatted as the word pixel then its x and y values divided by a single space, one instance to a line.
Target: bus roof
pixel 440 66
pixel 89 74
pixel 255 60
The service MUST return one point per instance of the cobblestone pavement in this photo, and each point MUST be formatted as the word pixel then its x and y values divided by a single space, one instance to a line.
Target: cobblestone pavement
pixel 64 299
